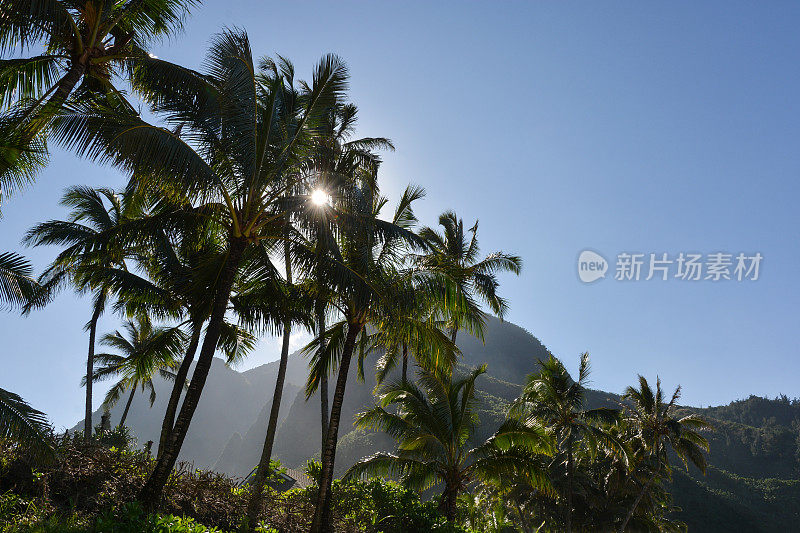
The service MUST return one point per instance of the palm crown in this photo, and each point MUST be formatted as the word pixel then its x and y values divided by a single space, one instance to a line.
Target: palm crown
pixel 147 351
pixel 455 255
pixel 433 422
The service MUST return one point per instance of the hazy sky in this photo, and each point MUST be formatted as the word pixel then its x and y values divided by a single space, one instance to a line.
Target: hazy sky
pixel 613 126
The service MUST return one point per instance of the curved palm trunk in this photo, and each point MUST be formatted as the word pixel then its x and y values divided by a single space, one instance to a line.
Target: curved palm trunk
pixel 322 511
pixel 87 421
pixel 569 485
pixel 177 387
pixel 66 85
pixel 257 485
pixel 323 386
pixel 151 492
pixel 636 502
pixel 127 407
pixel 447 503
pixel 405 363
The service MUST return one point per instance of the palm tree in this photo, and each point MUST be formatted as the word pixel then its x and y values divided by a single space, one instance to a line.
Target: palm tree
pixel 553 398
pixel 269 303
pixel 96 215
pixel 237 137
pixel 23 424
pixel 456 255
pixel 416 326
pixel 433 422
pixel 366 287
pixel 84 42
pixel 335 163
pixel 89 40
pixel 146 351
pixel 181 255
pixel 658 430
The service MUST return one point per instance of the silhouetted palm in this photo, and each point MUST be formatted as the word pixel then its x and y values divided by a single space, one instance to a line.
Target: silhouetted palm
pixel 89 236
pixel 659 430
pixel 237 136
pixel 84 42
pixel 433 422
pixel 332 164
pixel 551 397
pixel 470 280
pixel 146 351
pixel 365 289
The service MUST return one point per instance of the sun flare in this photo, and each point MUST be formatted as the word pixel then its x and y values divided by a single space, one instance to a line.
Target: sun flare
pixel 320 197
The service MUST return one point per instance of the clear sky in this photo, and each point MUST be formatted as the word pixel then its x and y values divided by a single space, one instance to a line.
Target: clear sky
pixel 614 126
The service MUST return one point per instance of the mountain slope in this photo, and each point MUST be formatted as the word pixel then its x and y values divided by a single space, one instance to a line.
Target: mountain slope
pixel 755 449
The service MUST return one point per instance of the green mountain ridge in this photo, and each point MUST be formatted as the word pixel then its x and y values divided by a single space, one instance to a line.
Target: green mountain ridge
pixel 752 484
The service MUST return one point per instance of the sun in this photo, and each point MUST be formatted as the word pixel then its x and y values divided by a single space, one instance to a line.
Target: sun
pixel 320 197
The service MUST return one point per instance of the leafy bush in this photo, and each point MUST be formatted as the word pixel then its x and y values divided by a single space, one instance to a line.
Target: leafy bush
pixel 132 519
pixel 81 492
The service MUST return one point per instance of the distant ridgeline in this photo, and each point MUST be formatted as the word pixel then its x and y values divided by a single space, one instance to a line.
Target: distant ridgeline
pixel 753 483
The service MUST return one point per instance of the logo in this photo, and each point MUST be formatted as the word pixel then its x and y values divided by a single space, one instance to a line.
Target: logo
pixel 591 266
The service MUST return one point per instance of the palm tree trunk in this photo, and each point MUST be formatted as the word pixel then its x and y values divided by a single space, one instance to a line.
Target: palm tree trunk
pixel 66 85
pixel 257 485
pixel 447 503
pixel 127 407
pixel 323 386
pixel 569 485
pixel 151 492
pixel 177 386
pixel 636 503
pixel 87 421
pixel 405 362
pixel 322 512
pixel 453 335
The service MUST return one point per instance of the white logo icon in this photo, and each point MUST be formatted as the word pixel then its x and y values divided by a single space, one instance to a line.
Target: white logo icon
pixel 591 266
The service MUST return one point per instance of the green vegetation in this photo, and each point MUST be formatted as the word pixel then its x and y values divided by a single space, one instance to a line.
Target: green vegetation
pixel 250 210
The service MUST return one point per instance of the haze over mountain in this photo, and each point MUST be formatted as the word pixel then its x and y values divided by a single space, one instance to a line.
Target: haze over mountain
pixel 755 449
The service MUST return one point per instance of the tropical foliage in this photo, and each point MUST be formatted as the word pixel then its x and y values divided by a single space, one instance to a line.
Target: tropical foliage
pixel 251 209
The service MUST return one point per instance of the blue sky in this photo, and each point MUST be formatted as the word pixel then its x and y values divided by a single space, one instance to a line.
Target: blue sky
pixel 613 126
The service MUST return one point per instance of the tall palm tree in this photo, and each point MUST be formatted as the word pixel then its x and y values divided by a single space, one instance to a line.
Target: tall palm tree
pixel 415 328
pixel 553 398
pixel 269 303
pixel 146 351
pixel 366 287
pixel 335 163
pixel 236 135
pixel 659 429
pixel 433 423
pixel 455 254
pixel 96 215
pixel 180 255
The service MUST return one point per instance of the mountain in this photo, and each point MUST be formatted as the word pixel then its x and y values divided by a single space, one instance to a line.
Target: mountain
pixel 752 483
